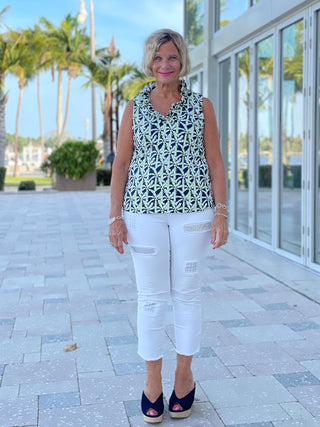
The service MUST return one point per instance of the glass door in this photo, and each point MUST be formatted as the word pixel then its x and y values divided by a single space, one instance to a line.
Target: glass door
pixel 242 143
pixel 291 137
pixel 225 119
pixel 264 139
pixel 316 234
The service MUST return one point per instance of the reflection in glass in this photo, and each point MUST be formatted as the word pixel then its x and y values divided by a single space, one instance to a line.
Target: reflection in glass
pixel 195 15
pixel 225 120
pixel 316 254
pixel 264 121
pixel 243 92
pixel 228 10
pixel 292 130
pixel 195 83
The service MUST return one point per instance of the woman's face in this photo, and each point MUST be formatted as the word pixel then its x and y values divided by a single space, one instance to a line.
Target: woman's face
pixel 166 64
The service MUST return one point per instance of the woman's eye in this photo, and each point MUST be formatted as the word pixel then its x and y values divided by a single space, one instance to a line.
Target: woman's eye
pixel 173 57
pixel 157 58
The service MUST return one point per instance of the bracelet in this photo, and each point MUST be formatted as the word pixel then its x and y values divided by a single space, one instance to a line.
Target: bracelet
pixel 112 220
pixel 221 206
pixel 218 213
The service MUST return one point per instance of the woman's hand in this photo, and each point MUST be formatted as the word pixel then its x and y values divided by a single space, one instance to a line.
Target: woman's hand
pixel 118 235
pixel 219 231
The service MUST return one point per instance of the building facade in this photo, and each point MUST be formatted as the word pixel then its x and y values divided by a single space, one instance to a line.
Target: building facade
pixel 259 63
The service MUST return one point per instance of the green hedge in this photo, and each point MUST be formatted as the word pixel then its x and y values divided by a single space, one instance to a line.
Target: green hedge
pixel 291 176
pixel 73 159
pixel 103 176
pixel 27 185
pixel 2 177
pixel 265 176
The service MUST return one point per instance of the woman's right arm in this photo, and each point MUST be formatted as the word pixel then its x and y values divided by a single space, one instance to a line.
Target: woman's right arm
pixel 120 168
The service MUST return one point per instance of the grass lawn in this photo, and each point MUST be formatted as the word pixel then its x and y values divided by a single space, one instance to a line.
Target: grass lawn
pixel 12 181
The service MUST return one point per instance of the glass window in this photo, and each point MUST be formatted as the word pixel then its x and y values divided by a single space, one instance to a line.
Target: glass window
pixel 291 135
pixel 225 119
pixel 316 254
pixel 243 108
pixel 195 14
pixel 195 83
pixel 228 10
pixel 264 138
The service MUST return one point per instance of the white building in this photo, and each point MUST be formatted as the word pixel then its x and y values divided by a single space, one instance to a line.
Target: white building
pixel 259 63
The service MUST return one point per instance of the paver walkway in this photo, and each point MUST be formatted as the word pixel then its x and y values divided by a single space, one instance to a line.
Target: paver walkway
pixel 61 283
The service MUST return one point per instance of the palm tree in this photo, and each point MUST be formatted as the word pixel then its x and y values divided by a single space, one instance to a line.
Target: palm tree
pixel 194 22
pixel 24 69
pixel 68 43
pixel 136 83
pixel 38 44
pixel 2 12
pixel 107 76
pixel 9 57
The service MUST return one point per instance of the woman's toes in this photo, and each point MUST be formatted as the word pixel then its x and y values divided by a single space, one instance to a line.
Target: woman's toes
pixel 177 407
pixel 152 412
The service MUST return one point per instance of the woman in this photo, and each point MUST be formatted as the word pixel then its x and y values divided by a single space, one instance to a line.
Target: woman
pixel 167 167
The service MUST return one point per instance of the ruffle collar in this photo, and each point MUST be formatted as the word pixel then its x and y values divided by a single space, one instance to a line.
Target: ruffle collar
pixel 145 98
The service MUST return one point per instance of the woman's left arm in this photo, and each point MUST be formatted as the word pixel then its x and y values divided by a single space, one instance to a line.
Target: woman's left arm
pixel 219 231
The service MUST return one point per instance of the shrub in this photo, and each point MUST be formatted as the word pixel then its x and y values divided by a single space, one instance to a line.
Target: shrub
pixel 292 176
pixel 103 176
pixel 2 177
pixel 265 176
pixel 27 185
pixel 245 177
pixel 73 159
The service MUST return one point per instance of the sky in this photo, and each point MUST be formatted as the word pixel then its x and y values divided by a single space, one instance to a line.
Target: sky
pixel 130 22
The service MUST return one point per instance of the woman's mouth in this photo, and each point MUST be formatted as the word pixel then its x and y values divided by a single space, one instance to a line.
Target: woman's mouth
pixel 166 74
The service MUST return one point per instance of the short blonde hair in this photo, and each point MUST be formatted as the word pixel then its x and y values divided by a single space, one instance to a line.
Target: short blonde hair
pixel 153 43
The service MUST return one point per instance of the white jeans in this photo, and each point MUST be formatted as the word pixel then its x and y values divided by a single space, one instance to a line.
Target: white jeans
pixel 167 251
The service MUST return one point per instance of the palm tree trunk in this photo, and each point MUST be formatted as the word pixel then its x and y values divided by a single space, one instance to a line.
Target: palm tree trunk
pixel 59 107
pixel 16 153
pixel 117 109
pixel 3 140
pixel 106 128
pixel 67 110
pixel 110 126
pixel 40 115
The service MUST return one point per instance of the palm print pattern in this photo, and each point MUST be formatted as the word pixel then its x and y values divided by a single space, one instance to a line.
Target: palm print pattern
pixel 168 172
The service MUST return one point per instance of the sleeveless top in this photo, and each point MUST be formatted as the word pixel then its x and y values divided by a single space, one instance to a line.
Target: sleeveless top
pixel 168 172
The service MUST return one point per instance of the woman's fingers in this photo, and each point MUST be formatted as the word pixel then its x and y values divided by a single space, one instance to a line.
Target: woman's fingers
pixel 118 235
pixel 219 232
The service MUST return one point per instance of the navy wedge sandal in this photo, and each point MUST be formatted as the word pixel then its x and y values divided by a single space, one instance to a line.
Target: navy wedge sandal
pixel 185 403
pixel 156 406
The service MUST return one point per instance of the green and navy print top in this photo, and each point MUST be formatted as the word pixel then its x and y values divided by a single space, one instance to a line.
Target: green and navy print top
pixel 168 172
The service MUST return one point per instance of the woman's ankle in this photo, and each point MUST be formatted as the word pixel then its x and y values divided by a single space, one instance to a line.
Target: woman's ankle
pixel 153 388
pixel 183 384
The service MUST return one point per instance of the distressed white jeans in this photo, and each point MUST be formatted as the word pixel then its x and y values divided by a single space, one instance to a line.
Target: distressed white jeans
pixel 167 252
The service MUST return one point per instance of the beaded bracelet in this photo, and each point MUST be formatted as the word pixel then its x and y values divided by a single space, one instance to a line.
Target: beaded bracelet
pixel 218 213
pixel 221 206
pixel 112 220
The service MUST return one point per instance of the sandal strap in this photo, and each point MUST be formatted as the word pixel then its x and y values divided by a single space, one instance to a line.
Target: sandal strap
pixel 185 402
pixel 146 404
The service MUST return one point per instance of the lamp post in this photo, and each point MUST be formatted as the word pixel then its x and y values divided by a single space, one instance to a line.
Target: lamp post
pixel 82 16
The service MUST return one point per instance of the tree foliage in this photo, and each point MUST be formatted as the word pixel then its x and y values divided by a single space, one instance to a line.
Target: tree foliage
pixel 195 22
